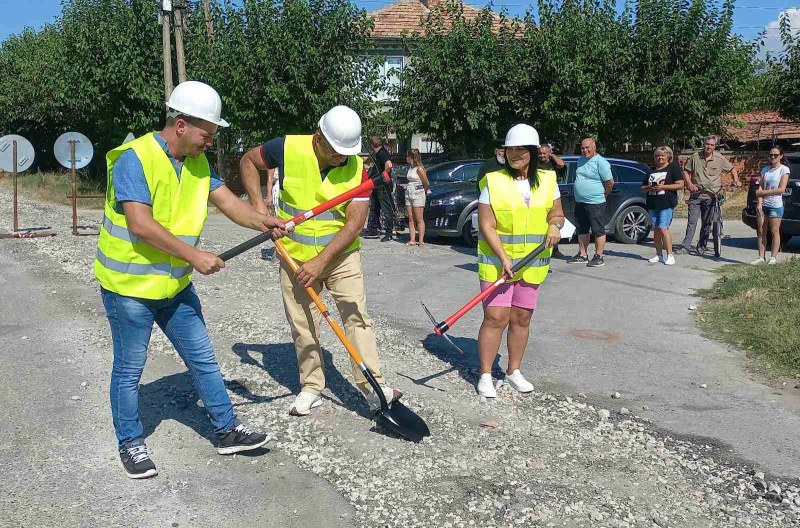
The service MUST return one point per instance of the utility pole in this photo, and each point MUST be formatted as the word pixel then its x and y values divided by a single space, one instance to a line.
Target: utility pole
pixel 166 6
pixel 179 41
pixel 209 23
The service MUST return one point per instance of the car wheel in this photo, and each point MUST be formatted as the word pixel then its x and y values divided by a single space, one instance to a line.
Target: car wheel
pixel 468 234
pixel 633 225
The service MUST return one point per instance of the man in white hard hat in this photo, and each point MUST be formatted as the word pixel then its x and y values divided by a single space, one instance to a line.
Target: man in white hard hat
pixel 315 168
pixel 159 186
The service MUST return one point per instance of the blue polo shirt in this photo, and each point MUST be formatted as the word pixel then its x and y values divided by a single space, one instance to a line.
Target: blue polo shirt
pixel 589 178
pixel 130 185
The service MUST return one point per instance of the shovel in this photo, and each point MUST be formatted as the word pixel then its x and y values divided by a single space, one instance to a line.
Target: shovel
pixel 395 417
pixel 442 327
pixel 302 217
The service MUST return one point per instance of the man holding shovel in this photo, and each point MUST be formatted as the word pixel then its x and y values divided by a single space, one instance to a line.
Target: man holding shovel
pixel 159 186
pixel 313 169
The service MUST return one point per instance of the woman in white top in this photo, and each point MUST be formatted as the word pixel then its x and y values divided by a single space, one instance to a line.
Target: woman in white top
pixel 770 205
pixel 416 190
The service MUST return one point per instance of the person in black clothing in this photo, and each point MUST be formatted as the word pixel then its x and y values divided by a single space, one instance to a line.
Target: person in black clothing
pixel 549 161
pixel 492 164
pixel 381 206
pixel 662 184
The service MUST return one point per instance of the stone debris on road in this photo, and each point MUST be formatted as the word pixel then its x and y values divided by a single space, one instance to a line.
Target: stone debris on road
pixel 535 460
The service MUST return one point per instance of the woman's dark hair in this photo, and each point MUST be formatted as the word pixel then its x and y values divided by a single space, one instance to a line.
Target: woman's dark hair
pixel 533 167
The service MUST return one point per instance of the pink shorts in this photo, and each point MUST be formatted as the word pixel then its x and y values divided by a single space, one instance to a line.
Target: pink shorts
pixel 519 294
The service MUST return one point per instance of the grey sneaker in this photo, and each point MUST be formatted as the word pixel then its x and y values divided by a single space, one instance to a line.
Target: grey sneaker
pixel 596 262
pixel 578 259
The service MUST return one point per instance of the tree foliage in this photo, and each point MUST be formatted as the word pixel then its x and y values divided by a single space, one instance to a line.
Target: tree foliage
pixel 662 70
pixel 786 73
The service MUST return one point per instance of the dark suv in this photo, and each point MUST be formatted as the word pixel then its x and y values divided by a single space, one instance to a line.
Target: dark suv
pixel 454 199
pixel 790 225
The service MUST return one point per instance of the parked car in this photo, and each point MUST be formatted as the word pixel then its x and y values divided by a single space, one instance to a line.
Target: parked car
pixel 454 199
pixel 790 225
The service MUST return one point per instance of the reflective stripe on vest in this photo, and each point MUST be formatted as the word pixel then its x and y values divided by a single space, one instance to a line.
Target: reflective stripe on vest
pixel 130 268
pixel 495 261
pixel 310 240
pixel 517 239
pixel 293 211
pixel 124 234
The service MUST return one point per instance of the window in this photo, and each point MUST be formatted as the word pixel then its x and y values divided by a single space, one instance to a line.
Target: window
pixel 627 174
pixel 570 177
pixel 471 172
pixel 390 74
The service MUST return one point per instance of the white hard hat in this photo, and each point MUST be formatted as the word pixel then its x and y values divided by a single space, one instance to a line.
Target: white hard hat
pixel 341 126
pixel 197 99
pixel 522 135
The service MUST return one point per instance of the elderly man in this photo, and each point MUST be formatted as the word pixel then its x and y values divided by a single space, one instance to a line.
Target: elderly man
pixel 492 164
pixel 381 202
pixel 703 176
pixel 593 182
pixel 548 161
pixel 313 169
pixel 159 186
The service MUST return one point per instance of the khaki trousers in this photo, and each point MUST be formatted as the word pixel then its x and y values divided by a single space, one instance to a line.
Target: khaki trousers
pixel 344 279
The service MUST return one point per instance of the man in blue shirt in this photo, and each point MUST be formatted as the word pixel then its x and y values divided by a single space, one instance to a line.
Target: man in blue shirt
pixel 593 182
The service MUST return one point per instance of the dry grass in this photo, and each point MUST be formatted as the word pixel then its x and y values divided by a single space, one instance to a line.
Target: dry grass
pixel 55 187
pixel 757 308
pixel 735 201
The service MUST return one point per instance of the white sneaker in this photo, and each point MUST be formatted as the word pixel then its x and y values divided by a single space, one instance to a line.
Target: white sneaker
pixel 391 395
pixel 518 382
pixel 670 260
pixel 656 259
pixel 759 260
pixel 772 260
pixel 304 402
pixel 486 386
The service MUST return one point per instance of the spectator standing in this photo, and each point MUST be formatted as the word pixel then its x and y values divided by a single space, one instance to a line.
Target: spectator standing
pixel 548 161
pixel 703 178
pixel 774 180
pixel 493 164
pixel 593 182
pixel 416 190
pixel 662 184
pixel 381 206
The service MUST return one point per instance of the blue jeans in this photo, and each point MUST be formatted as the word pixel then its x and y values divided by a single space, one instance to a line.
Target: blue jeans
pixel 181 320
pixel 661 218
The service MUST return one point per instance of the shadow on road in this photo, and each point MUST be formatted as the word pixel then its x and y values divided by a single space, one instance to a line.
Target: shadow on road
pixel 467 364
pixel 280 362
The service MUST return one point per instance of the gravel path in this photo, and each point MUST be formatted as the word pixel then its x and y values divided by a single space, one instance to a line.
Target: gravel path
pixel 535 460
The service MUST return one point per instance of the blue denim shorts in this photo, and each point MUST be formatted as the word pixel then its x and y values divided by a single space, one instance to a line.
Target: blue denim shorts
pixel 661 219
pixel 772 212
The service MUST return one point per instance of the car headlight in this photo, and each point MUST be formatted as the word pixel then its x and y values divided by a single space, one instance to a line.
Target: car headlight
pixel 448 200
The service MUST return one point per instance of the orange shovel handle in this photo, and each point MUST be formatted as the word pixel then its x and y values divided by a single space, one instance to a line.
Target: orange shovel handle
pixel 321 305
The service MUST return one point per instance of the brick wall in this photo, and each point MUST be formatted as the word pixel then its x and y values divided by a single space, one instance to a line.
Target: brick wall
pixel 749 163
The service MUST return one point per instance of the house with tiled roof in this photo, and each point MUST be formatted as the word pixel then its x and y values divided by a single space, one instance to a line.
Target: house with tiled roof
pixel 391 23
pixel 762 130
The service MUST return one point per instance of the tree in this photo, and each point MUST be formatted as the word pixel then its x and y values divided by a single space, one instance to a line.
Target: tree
pixel 456 85
pixel 786 72
pixel 280 65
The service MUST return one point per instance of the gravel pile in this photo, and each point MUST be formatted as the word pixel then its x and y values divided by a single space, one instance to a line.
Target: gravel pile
pixel 533 460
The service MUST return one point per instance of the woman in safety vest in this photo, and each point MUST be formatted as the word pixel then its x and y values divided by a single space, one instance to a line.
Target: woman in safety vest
pixel 519 208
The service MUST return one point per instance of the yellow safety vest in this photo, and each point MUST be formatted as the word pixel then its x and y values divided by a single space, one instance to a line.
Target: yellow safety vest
pixel 130 267
pixel 304 188
pixel 521 228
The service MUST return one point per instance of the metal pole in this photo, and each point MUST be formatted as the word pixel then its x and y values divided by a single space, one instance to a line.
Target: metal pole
pixel 74 188
pixel 167 53
pixel 179 42
pixel 14 173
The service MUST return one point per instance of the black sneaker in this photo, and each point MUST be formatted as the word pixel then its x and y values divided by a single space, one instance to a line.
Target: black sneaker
pixel 370 233
pixel 679 250
pixel 692 250
pixel 387 238
pixel 596 262
pixel 241 438
pixel 136 461
pixel 578 259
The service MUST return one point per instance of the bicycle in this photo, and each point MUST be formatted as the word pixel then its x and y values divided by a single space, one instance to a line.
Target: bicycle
pixel 714 217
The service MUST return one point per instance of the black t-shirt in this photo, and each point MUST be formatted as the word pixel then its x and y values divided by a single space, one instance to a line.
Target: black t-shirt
pixel 381 157
pixel 490 165
pixel 659 200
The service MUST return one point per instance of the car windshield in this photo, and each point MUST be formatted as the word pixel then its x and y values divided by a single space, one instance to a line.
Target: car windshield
pixel 443 173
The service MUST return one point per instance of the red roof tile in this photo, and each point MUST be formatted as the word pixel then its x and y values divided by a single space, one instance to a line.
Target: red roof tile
pixel 760 126
pixel 405 16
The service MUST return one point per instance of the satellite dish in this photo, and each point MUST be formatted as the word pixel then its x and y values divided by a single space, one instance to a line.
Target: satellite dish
pixel 128 138
pixel 25 153
pixel 83 150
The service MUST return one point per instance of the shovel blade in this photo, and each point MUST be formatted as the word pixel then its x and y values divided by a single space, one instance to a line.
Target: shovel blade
pixel 403 421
